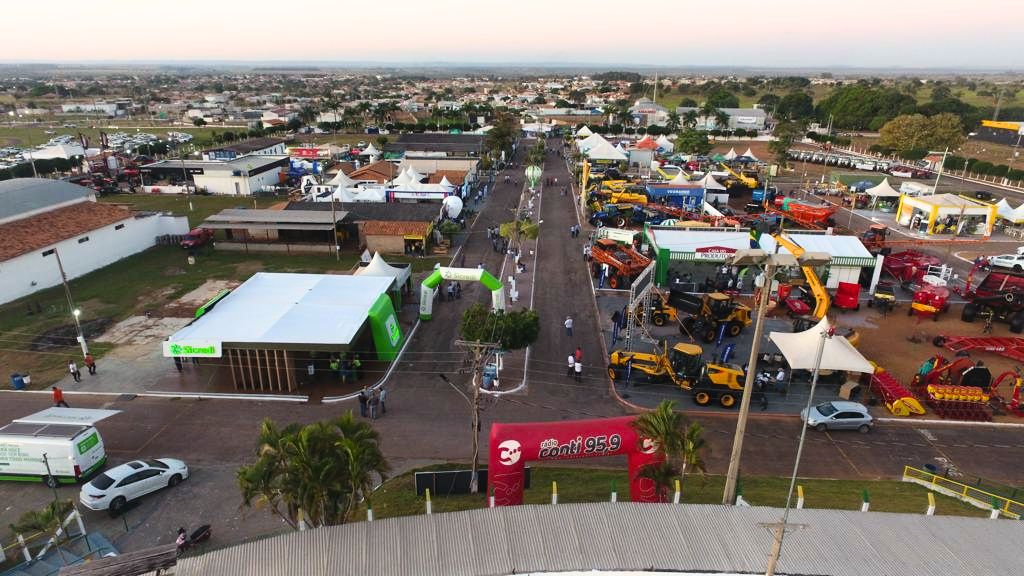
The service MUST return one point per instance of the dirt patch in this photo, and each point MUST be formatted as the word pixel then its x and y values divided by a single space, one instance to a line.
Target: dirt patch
pixel 246 269
pixel 174 271
pixel 67 335
pixel 142 330
pixel 185 306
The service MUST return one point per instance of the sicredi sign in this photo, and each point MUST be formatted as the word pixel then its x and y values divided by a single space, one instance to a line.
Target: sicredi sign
pixel 713 253
pixel 192 348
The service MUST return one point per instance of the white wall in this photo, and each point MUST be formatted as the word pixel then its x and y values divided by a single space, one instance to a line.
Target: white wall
pixel 224 182
pixel 105 246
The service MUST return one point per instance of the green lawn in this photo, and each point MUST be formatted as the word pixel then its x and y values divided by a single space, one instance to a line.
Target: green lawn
pixel 145 281
pixel 398 497
pixel 202 206
pixel 22 135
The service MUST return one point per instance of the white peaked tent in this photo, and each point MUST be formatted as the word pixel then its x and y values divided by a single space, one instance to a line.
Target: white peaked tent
pixel 379 267
pixel 446 183
pixel 413 175
pixel 342 180
pixel 750 154
pixel 800 348
pixel 584 132
pixel 402 179
pixel 620 149
pixel 680 179
pixel 1014 215
pixel 883 190
pixel 591 141
pixel 665 144
pixel 731 155
pixel 605 151
pixel 709 183
pixel 375 194
pixel 370 151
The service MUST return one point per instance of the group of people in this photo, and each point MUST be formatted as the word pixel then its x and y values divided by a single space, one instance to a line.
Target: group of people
pixel 90 365
pixel 373 404
pixel 574 231
pixel 764 383
pixel 347 368
pixel 575 364
pixel 453 291
pixel 498 242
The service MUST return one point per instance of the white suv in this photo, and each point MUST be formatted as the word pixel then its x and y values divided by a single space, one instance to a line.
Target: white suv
pixel 113 489
pixel 1014 262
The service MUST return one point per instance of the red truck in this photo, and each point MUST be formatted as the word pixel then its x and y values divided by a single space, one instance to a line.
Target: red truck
pixel 196 238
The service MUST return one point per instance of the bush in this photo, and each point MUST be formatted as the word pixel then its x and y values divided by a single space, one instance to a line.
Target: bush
pixel 982 167
pixel 739 133
pixel 999 170
pixel 1012 175
pixel 914 154
pixel 715 132
pixel 954 162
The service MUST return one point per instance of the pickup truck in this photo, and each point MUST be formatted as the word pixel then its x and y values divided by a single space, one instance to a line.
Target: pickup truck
pixel 196 238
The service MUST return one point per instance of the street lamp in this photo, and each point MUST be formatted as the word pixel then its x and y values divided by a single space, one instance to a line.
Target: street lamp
pixel 772 263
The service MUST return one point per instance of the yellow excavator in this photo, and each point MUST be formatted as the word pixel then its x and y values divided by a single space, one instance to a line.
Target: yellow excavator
pixel 747 181
pixel 821 297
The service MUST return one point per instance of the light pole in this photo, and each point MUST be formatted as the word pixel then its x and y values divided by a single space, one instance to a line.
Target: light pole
pixel 75 312
pixel 780 530
pixel 771 263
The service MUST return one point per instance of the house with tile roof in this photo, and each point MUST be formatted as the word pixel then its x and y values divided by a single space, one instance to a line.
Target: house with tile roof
pixel 44 220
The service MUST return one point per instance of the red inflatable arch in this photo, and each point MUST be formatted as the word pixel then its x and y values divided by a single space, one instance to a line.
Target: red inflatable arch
pixel 513 445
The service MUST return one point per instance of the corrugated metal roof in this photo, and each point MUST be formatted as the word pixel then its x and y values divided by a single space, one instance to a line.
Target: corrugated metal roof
pixel 628 536
pixel 256 216
pixel 27 195
pixel 689 240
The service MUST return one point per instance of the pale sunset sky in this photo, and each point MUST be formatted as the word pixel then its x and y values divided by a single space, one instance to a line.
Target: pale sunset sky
pixel 771 33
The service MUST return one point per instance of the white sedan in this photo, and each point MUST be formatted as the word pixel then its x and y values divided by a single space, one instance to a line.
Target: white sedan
pixel 112 489
pixel 1014 262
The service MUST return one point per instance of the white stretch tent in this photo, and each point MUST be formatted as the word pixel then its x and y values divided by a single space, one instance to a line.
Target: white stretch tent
pixel 883 190
pixel 273 309
pixel 1014 215
pixel 402 179
pixel 800 348
pixel 379 267
pixel 590 142
pixel 731 155
pixel 680 179
pixel 605 151
pixel 584 132
pixel 341 180
pixel 370 151
pixel 665 145
pixel 750 154
pixel 709 183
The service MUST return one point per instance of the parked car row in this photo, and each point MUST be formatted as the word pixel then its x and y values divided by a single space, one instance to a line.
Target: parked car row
pixel 842 160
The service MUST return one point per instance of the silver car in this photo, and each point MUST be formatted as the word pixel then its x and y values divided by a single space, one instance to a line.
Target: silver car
pixel 838 415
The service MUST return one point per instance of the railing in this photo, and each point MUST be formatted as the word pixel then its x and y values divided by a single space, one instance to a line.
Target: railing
pixel 964 492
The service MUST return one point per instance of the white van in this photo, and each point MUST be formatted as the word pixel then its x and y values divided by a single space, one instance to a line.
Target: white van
pixel 72 447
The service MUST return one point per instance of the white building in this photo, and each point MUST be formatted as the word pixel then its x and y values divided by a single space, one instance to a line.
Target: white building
pixel 242 176
pixel 41 219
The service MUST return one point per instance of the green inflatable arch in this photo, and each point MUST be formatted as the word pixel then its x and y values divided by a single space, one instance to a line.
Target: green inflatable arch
pixel 429 287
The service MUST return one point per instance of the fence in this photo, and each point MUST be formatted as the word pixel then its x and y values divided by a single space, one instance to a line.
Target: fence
pixel 964 492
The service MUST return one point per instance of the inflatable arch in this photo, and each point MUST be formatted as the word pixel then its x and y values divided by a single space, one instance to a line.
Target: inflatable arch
pixel 513 445
pixel 429 287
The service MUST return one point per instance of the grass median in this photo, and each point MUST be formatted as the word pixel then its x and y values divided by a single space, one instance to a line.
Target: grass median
pixel 397 497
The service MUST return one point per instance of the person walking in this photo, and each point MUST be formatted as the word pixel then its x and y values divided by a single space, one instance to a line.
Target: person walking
pixel 571 364
pixel 568 326
pixel 90 364
pixel 578 355
pixel 357 367
pixel 383 400
pixel 374 403
pixel 364 399
pixel 58 397
pixel 73 369
pixel 578 369
pixel 177 363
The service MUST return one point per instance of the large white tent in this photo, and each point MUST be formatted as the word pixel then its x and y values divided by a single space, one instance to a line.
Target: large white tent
pixel 750 154
pixel 605 151
pixel 665 145
pixel 364 194
pixel 883 190
pixel 402 179
pixel 731 154
pixel 584 132
pixel 709 183
pixel 800 349
pixel 590 142
pixel 680 179
pixel 1014 215
pixel 341 179
pixel 379 267
pixel 370 151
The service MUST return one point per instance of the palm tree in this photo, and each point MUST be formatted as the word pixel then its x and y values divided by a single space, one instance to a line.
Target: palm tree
pixel 624 115
pixel 672 123
pixel 307 114
pixel 707 112
pixel 663 426
pixel 694 445
pixel 360 443
pixel 690 118
pixel 721 120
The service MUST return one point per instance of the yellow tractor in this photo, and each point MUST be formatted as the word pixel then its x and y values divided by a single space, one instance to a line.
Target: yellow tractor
pixel 708 313
pixel 684 366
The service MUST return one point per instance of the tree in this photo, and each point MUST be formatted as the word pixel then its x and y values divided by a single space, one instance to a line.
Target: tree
pixel 722 98
pixel 722 120
pixel 307 114
pixel 689 118
pixel 313 474
pixel 293 124
pixel 199 122
pixel 707 112
pixel 510 330
pixel 663 426
pixel 694 446
pixel 860 106
pixel 914 131
pixel 688 103
pixel 785 134
pixel 768 101
pixel 673 122
pixel 795 106
pixel 692 141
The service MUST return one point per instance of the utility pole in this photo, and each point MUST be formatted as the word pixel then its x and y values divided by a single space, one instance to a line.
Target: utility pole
pixel 478 350
pixel 75 312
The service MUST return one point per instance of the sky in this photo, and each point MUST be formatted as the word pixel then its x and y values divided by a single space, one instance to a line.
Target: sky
pixel 759 33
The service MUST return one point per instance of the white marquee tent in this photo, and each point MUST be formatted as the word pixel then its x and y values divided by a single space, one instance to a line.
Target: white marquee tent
pixel 680 179
pixel 591 141
pixel 584 132
pixel 342 180
pixel 883 190
pixel 800 348
pixel 1014 215
pixel 605 151
pixel 370 151
pixel 750 154
pixel 379 267
pixel 665 144
pixel 731 154
pixel 709 183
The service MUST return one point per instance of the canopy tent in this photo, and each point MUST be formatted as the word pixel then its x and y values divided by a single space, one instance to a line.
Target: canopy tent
pixel 718 158
pixel 379 267
pixel 413 175
pixel 665 145
pixel 709 183
pixel 800 348
pixel 370 151
pixel 584 132
pixel 647 143
pixel 402 179
pixel 750 154
pixel 619 148
pixel 342 180
pixel 731 154
pixel 590 142
pixel 680 179
pixel 1014 215
pixel 444 182
pixel 605 151
pixel 883 190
